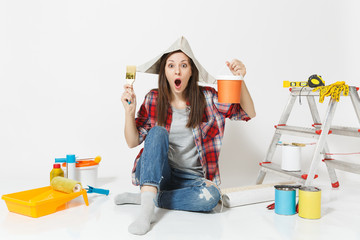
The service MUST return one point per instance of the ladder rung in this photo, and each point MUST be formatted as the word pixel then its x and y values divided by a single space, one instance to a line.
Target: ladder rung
pixel 314 132
pixel 275 168
pixel 345 131
pixel 307 91
pixel 344 166
pixel 297 131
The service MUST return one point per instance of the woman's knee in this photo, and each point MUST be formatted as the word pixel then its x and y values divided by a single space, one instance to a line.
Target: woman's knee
pixel 209 197
pixel 158 133
pixel 157 140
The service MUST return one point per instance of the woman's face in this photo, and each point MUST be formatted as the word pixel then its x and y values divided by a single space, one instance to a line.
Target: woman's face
pixel 178 72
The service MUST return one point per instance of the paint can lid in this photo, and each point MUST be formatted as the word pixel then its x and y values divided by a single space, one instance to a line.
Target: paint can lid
pixel 84 164
pixel 310 189
pixel 286 187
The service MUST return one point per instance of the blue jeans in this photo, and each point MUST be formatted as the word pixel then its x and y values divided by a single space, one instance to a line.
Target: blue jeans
pixel 177 189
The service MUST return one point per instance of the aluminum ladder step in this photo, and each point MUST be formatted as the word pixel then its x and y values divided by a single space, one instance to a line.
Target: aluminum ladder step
pixel 344 166
pixel 275 168
pixel 297 131
pixel 315 132
pixel 345 131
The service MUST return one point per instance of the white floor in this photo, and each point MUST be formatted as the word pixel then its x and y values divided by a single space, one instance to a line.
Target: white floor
pixel 102 219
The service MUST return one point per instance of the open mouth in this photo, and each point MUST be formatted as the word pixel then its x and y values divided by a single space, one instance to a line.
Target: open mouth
pixel 177 82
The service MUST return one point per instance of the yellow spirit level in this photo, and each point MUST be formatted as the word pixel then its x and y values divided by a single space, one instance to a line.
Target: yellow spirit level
pixel 287 84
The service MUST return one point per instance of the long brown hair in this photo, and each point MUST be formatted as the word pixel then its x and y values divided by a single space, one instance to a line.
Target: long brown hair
pixel 193 95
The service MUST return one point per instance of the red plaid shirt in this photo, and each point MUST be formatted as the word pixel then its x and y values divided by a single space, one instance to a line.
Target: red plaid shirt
pixel 207 136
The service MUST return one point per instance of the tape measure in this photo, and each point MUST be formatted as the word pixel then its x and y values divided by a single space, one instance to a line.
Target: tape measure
pixel 314 80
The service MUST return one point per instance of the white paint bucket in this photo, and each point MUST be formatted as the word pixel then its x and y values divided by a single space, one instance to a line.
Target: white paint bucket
pixel 87 172
pixel 87 175
pixel 291 157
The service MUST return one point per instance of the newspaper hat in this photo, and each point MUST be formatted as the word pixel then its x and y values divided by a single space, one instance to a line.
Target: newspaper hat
pixel 181 44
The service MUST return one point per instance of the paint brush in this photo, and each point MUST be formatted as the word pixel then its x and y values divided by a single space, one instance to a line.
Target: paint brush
pixel 130 75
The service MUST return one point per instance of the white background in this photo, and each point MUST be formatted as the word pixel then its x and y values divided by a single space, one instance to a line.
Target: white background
pixel 62 70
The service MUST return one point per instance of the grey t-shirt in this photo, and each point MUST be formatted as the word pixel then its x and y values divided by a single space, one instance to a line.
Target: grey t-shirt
pixel 182 150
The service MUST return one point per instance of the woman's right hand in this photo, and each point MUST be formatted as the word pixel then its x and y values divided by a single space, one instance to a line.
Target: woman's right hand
pixel 128 99
pixel 236 67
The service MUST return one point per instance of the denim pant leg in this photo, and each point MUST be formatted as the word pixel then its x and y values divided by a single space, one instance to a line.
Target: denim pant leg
pixel 190 193
pixel 153 164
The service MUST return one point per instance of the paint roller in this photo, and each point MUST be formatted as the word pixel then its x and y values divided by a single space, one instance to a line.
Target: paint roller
pixel 65 185
pixel 241 196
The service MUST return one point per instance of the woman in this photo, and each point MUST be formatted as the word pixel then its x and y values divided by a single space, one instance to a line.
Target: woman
pixel 182 125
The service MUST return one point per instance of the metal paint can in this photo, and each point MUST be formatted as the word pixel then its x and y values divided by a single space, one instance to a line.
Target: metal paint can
pixel 310 202
pixel 285 200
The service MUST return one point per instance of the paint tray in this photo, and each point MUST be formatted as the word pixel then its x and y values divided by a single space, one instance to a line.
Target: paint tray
pixel 40 201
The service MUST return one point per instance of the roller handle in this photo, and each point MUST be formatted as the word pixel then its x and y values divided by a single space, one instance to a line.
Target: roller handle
pixel 60 160
pixel 97 190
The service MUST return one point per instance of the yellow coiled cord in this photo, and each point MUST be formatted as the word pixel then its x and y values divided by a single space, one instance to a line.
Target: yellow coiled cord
pixel 334 90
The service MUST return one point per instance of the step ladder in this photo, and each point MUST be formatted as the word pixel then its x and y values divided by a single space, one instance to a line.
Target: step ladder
pixel 320 131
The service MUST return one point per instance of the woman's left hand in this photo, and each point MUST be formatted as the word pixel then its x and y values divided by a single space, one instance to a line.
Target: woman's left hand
pixel 236 67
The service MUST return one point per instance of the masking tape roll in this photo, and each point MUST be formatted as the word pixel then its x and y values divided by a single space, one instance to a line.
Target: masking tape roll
pixel 65 185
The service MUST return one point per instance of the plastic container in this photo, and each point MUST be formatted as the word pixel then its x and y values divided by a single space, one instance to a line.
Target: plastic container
pixel 86 172
pixel 229 88
pixel 56 171
pixel 64 166
pixel 71 168
pixel 291 158
pixel 40 201
pixel 285 200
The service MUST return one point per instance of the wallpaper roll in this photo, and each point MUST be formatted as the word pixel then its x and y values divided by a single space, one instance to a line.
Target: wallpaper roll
pixel 65 185
pixel 241 196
